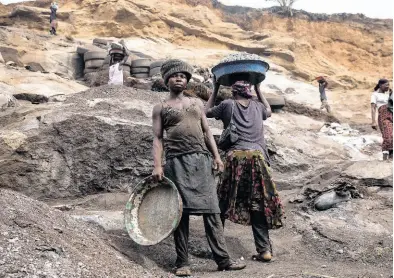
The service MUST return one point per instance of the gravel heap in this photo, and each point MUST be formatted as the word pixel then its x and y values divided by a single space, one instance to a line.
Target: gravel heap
pixel 338 129
pixel 239 57
pixel 39 241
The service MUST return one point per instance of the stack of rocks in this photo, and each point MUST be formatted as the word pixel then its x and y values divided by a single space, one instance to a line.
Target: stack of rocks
pixel 334 129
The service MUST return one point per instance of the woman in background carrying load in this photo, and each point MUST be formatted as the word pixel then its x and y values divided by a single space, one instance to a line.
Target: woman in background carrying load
pixel 119 55
pixel 52 18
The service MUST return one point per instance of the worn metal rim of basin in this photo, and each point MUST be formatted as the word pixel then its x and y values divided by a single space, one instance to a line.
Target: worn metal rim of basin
pixel 131 213
pixel 249 70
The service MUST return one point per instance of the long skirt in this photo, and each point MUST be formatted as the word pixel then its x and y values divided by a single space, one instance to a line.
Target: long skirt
pixel 53 23
pixel 385 121
pixel 246 185
pixel 194 178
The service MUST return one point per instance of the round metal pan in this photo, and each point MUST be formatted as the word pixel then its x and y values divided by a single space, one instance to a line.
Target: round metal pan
pixel 252 71
pixel 153 211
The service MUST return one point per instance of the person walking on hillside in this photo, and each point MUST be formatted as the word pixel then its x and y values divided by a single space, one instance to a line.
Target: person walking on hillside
pixel 323 97
pixel 52 18
pixel 382 102
pixel 246 190
pixel 189 144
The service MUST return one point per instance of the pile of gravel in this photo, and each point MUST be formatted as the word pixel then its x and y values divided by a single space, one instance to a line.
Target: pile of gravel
pixel 39 241
pixel 239 57
pixel 116 93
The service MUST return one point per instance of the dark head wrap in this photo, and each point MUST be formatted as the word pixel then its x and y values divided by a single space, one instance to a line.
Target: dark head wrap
pixel 381 82
pixel 242 88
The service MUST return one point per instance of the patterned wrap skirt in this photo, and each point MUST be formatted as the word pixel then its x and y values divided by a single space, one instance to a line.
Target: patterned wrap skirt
pixel 385 121
pixel 246 185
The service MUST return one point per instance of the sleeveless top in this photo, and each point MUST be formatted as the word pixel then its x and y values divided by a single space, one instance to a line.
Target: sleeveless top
pixel 184 134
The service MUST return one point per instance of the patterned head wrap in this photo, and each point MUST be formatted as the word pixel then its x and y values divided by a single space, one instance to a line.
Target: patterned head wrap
pixel 242 88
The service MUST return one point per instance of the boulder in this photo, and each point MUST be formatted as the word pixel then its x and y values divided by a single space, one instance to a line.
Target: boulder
pixel 329 199
pixel 30 13
pixel 34 67
pixel 7 100
pixel 36 83
pixel 34 14
pixel 332 132
pixel 11 55
pixel 371 173
pixel 335 125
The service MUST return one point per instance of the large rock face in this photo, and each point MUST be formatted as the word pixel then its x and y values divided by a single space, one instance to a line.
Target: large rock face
pixel 101 140
pixel 371 173
pixel 97 140
pixel 304 44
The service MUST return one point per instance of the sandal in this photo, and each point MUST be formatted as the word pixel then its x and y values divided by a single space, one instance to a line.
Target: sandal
pixel 183 271
pixel 263 257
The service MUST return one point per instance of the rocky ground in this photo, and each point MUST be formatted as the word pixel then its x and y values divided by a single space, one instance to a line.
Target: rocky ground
pixel 70 154
pixel 38 241
pixel 99 140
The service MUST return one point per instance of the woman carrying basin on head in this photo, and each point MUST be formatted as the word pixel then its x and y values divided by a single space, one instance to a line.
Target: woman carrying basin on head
pixel 381 101
pixel 247 193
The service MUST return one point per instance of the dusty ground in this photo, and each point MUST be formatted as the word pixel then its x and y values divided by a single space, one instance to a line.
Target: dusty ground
pixel 76 144
pixel 37 241
pixel 308 246
pixel 98 140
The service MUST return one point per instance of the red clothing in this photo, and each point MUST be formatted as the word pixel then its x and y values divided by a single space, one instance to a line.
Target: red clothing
pixel 385 121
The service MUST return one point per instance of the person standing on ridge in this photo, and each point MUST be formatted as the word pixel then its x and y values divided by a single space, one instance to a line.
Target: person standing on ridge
pixel 323 97
pixel 52 18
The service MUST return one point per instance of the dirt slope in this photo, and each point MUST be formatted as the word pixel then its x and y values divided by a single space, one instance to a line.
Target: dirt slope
pixel 353 51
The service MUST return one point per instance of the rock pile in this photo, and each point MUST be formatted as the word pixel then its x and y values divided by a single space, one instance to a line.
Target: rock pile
pixel 38 241
pixel 7 100
pixel 334 129
pixel 240 56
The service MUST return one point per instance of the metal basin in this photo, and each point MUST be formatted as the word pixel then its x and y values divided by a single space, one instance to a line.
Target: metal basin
pixel 252 71
pixel 153 211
